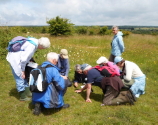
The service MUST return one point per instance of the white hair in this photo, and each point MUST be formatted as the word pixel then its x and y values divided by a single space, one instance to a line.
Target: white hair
pixel 115 27
pixel 77 67
pixel 44 42
pixel 52 55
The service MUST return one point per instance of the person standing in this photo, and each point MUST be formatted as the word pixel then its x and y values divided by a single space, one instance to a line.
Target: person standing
pixel 18 61
pixel 117 44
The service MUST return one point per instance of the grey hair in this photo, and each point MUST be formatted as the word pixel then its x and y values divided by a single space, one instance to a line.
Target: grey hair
pixel 52 55
pixel 44 42
pixel 115 27
pixel 77 67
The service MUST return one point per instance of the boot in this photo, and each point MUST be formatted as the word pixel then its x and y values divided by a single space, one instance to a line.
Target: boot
pixel 37 109
pixel 23 96
pixel 28 92
pixel 123 98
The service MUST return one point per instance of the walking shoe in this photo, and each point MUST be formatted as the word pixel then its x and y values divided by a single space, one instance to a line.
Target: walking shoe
pixel 37 109
pixel 66 106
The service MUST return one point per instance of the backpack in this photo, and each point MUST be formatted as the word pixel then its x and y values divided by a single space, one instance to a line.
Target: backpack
pixel 16 43
pixel 38 80
pixel 106 71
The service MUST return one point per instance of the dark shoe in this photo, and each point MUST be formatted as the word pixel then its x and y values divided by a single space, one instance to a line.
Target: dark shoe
pixel 66 106
pixel 37 109
pixel 23 96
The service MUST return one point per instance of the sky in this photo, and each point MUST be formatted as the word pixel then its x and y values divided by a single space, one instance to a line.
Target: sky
pixel 79 12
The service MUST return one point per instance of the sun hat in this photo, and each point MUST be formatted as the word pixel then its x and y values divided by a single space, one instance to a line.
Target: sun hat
pixel 118 59
pixel 85 67
pixel 64 53
pixel 102 59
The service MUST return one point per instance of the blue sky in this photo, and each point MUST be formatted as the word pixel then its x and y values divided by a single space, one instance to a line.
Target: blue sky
pixel 80 12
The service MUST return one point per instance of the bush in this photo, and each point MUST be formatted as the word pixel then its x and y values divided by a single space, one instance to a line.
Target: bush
pixel 81 30
pixel 60 26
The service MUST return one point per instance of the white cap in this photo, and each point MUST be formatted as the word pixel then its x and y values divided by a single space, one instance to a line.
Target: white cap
pixel 102 59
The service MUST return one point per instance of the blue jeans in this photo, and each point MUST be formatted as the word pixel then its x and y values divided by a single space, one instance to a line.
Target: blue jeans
pixel 20 82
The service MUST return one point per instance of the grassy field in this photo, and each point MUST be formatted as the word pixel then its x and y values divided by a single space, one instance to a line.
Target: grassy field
pixel 141 49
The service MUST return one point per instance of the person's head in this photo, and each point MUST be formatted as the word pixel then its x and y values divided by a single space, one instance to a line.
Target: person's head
pixel 52 57
pixel 102 61
pixel 43 43
pixel 85 68
pixel 64 54
pixel 78 68
pixel 115 30
pixel 119 61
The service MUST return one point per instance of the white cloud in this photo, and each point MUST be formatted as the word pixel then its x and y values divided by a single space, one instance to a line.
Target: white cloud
pixel 80 12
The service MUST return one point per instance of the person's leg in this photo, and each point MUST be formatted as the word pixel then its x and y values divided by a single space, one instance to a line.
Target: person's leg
pixel 110 94
pixel 21 84
pixel 111 58
pixel 123 98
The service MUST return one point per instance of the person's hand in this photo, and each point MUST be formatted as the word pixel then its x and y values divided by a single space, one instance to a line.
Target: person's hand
pixel 88 100
pixel 23 75
pixel 64 77
pixel 75 84
pixel 77 91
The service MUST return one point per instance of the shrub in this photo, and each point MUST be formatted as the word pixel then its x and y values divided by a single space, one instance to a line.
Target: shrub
pixel 60 26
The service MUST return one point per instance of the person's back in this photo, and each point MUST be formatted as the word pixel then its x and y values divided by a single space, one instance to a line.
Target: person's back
pixel 53 96
pixel 19 59
pixel 94 76
pixel 132 70
pixel 46 97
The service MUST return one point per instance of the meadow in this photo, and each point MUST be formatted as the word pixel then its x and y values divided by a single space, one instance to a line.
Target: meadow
pixel 141 49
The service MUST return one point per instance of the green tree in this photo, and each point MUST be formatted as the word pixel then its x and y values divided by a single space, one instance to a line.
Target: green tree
pixel 60 26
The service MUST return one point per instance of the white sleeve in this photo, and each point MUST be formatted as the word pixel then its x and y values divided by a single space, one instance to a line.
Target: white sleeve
pixel 26 55
pixel 128 70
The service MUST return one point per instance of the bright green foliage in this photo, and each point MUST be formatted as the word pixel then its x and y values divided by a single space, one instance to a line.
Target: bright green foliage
pixel 60 26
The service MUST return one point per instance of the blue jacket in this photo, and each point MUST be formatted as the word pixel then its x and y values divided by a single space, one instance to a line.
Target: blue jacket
pixel 117 44
pixel 53 96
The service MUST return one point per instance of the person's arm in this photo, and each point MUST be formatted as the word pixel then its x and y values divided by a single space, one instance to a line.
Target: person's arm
pixel 67 67
pixel 54 76
pixel 121 43
pixel 80 90
pixel 25 56
pixel 128 70
pixel 89 86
